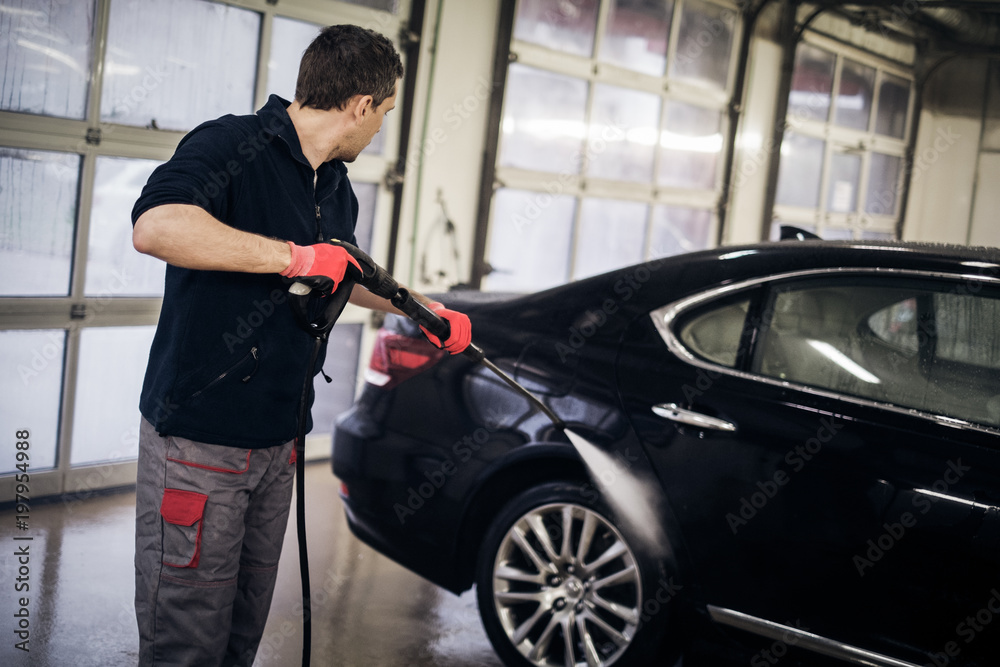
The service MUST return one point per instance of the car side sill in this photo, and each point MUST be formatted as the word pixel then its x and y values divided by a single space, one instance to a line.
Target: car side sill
pixel 806 640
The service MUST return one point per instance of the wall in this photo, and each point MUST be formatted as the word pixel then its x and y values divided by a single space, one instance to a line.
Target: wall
pixel 447 137
pixel 754 151
pixel 946 154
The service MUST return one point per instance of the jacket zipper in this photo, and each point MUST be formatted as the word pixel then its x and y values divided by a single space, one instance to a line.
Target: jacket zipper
pixel 222 376
pixel 319 226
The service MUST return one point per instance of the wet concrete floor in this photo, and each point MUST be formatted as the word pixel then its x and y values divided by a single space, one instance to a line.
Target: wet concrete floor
pixel 367 610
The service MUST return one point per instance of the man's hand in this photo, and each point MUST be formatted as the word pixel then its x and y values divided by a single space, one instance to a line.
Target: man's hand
pixel 461 329
pixel 321 259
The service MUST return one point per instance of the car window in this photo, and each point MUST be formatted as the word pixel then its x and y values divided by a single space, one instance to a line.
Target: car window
pixel 714 334
pixel 896 325
pixel 935 350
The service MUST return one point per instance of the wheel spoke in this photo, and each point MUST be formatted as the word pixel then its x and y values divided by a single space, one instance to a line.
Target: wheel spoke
pixel 627 614
pixel 508 598
pixel 522 630
pixel 590 653
pixel 569 659
pixel 538 527
pixel 541 647
pixel 529 551
pixel 617 637
pixel 567 532
pixel 611 553
pixel 626 574
pixel 586 535
pixel 510 573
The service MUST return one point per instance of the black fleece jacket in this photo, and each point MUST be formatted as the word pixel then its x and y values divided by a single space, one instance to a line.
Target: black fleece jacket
pixel 228 360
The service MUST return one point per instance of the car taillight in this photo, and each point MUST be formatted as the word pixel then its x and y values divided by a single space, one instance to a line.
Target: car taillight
pixel 398 357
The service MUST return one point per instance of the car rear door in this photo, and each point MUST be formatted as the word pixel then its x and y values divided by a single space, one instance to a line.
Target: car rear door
pixel 829 446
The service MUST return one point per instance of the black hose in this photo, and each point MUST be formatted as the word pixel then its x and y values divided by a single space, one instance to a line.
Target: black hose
pixel 300 501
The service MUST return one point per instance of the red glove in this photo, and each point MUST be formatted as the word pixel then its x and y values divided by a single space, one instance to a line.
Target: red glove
pixel 321 259
pixel 461 329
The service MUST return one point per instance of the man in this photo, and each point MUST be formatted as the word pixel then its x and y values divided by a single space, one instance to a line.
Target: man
pixel 244 203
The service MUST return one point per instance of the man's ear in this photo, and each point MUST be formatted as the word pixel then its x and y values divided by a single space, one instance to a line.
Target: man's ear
pixel 361 106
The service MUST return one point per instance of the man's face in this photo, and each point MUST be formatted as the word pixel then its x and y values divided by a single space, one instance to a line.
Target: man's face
pixel 369 127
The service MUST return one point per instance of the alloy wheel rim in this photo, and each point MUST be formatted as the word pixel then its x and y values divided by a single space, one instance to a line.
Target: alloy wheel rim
pixel 567 588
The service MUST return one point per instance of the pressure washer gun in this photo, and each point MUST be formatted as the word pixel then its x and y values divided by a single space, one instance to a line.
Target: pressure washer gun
pixel 378 281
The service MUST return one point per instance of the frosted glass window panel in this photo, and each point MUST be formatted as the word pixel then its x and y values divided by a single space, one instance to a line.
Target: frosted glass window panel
pixel 854 97
pixel 623 133
pixel 529 240
pixel 845 174
pixel 612 235
pixel 690 144
pixel 893 104
pixel 45 49
pixel 341 365
pixel 871 235
pixel 543 124
pixel 367 194
pixel 38 199
pixel 800 170
pixel 636 35
pixel 383 5
pixel 106 416
pixel 679 229
pixel 991 124
pixel 31 372
pixel 114 268
pixel 289 39
pixel 198 64
pixel 562 25
pixel 836 234
pixel 812 84
pixel 883 184
pixel 704 43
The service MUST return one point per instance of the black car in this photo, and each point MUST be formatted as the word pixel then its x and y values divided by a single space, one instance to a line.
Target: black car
pixel 815 425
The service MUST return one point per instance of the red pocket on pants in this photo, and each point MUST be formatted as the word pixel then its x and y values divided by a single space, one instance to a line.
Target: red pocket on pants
pixel 182 510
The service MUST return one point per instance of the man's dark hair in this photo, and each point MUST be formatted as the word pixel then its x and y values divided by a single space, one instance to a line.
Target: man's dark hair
pixel 344 61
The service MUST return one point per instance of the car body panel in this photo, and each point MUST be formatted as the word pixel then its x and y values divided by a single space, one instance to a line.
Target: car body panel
pixel 818 511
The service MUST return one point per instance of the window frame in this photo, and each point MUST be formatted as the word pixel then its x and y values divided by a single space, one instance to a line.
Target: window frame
pixel 666 318
pixel 595 71
pixel 92 138
pixel 838 139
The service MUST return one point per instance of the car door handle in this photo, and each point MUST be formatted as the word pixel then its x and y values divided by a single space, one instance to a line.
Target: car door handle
pixel 675 413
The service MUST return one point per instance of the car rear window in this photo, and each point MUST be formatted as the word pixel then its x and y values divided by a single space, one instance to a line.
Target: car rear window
pixel 714 335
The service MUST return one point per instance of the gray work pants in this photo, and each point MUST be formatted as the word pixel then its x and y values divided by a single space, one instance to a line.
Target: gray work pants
pixel 209 525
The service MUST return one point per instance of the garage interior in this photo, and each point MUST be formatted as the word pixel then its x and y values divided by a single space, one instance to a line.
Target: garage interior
pixel 525 131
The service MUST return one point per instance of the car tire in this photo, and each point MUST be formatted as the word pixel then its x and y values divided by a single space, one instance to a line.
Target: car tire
pixel 594 593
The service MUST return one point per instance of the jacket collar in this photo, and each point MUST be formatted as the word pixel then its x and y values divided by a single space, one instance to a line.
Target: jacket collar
pixel 276 120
